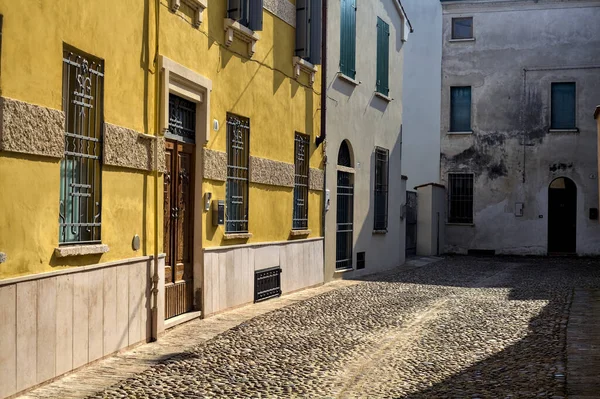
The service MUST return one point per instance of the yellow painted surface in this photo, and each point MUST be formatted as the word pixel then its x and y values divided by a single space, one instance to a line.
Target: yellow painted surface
pixel 121 32
pixel 261 88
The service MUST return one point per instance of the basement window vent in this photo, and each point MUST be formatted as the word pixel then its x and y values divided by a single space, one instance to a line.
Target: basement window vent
pixel 481 252
pixel 267 284
pixel 360 260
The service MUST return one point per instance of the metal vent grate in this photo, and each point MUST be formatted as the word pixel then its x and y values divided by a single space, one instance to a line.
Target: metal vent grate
pixel 360 260
pixel 267 284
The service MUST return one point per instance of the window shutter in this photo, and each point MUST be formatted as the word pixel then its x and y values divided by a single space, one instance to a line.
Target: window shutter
pixel 301 28
pixel 234 9
pixel 256 15
pixel 563 107
pixel 316 25
pixel 348 38
pixel 383 54
pixel 460 109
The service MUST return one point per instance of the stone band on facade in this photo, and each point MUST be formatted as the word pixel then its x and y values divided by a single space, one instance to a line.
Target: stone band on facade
pixel 215 165
pixel 129 149
pixel 316 179
pixel 31 129
pixel 273 173
pixel 282 9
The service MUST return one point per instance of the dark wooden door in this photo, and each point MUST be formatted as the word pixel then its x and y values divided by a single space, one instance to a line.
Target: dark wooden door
pixel 178 228
pixel 562 216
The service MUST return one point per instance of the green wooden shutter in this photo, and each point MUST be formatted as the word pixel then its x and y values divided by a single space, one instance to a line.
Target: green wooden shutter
pixel 383 56
pixel 348 38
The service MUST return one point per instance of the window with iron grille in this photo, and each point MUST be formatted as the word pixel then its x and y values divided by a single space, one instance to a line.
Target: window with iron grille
pixel 460 198
pixel 80 169
pixel 238 140
pixel 381 188
pixel 182 119
pixel 563 115
pixel 301 152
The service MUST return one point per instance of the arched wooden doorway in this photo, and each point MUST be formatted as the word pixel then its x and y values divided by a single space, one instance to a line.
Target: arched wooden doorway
pixel 562 216
pixel 345 209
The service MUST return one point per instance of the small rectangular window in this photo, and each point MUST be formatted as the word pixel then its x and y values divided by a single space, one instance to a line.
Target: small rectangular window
pixel 247 12
pixel 81 169
pixel 462 28
pixel 460 109
pixel 308 30
pixel 563 113
pixel 301 159
pixel 383 55
pixel 348 38
pixel 381 188
pixel 460 198
pixel 238 153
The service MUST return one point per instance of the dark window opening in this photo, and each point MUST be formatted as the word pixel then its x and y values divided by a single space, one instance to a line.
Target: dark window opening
pixel 460 198
pixel 381 188
pixel 360 260
pixel 563 113
pixel 182 119
pixel 81 169
pixel 462 28
pixel 460 109
pixel 238 140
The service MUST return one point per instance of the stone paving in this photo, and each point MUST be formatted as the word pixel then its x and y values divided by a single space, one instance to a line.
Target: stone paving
pixel 459 328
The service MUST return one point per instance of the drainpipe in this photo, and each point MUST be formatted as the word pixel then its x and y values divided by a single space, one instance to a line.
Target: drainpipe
pixel 155 278
pixel 323 135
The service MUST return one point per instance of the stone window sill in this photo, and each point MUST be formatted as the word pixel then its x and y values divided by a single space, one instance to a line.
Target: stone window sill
pixel 348 79
pixel 470 39
pixel 574 130
pixel 380 232
pixel 344 270
pixel 301 65
pixel 80 250
pixel 237 236
pixel 197 5
pixel 383 97
pixel 459 133
pixel 299 233
pixel 234 29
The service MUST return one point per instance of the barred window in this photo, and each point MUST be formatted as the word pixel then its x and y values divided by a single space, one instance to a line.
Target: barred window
pixel 182 119
pixel 301 153
pixel 238 140
pixel 381 188
pixel 80 169
pixel 460 198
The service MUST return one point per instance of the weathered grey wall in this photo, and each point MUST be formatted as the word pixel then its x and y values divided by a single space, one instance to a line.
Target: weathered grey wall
pixel 356 114
pixel 520 48
pixel 421 93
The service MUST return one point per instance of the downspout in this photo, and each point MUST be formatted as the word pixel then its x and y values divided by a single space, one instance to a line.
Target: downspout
pixel 323 135
pixel 155 279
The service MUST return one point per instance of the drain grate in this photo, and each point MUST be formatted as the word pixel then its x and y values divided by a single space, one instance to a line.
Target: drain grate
pixel 267 284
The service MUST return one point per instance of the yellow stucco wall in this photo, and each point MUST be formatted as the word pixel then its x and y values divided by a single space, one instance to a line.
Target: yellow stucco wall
pixel 122 33
pixel 261 88
pixel 32 47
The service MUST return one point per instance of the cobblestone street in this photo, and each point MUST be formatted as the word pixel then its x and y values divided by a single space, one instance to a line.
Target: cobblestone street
pixel 458 328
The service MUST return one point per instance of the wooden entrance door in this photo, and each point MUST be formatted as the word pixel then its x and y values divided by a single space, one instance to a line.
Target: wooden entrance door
pixel 178 228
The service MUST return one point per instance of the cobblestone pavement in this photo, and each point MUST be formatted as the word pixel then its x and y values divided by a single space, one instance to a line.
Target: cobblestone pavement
pixel 460 328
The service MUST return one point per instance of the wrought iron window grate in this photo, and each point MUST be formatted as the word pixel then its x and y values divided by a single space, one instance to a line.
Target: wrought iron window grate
pixel 381 188
pixel 238 136
pixel 80 169
pixel 267 284
pixel 300 217
pixel 182 119
pixel 345 226
pixel 460 198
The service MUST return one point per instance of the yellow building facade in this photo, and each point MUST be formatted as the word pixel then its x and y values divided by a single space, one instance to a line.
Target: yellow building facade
pixel 157 163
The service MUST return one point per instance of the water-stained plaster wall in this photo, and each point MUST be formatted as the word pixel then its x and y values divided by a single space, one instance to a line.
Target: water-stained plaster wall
pixel 520 48
pixel 356 114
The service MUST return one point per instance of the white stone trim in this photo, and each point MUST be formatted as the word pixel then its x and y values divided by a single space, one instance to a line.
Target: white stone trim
pixel 188 84
pixel 348 79
pixel 383 97
pixel 234 29
pixel 237 236
pixel 259 244
pixel 197 5
pixel 2 257
pixel 299 233
pixel 77 250
pixel 301 65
